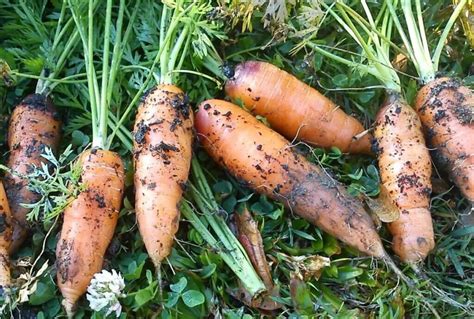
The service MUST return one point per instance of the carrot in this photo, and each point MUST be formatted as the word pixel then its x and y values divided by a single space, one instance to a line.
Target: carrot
pixel 90 220
pixel 5 238
pixel 162 156
pixel 405 171
pixel 89 223
pixel 264 159
pixel 446 109
pixel 295 109
pixel 34 125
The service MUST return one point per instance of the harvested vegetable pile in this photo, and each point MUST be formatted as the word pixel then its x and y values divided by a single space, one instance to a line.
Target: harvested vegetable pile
pixel 236 159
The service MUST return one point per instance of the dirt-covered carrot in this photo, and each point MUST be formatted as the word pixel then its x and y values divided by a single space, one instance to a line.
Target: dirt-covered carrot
pixel 405 170
pixel 294 109
pixel 163 136
pixel 403 158
pixel 89 223
pixel 34 125
pixel 6 220
pixel 162 155
pixel 445 106
pixel 265 160
pixel 90 220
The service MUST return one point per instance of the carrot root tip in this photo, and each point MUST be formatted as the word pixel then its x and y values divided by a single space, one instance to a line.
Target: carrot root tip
pixel 159 278
pixel 69 308
pixel 391 264
pixel 418 271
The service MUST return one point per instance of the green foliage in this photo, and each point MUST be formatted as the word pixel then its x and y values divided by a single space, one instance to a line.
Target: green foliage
pixel 57 182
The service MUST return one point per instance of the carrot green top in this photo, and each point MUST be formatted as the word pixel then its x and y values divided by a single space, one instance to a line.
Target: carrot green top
pixel 100 96
pixel 416 42
pixel 375 44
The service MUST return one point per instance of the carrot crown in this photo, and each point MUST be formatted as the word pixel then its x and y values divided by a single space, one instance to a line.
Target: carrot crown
pixel 416 42
pixel 184 33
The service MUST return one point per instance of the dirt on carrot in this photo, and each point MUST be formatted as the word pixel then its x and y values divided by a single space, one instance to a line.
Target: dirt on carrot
pixel 405 171
pixel 89 224
pixel 34 125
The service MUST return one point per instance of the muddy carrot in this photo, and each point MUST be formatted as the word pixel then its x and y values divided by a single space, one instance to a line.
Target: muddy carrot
pixel 34 125
pixel 264 159
pixel 89 223
pixel 162 155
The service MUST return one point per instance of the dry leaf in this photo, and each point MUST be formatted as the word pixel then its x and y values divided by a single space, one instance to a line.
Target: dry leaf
pixel 309 266
pixel 383 206
pixel 251 239
pixel 400 62
pixel 30 283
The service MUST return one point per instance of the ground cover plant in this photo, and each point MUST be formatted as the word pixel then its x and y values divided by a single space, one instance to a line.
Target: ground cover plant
pixel 109 68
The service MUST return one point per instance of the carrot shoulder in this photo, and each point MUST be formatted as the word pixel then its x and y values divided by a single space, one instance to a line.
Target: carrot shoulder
pixel 89 223
pixel 34 125
pixel 294 109
pixel 162 154
pixel 405 171
pixel 446 109
pixel 264 159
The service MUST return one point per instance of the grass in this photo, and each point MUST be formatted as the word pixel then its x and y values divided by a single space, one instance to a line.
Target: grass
pixel 352 286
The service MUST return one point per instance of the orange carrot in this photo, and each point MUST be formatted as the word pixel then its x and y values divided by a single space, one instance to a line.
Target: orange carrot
pixel 162 155
pixel 295 109
pixel 89 223
pixel 264 159
pixel 5 238
pixel 446 109
pixel 90 220
pixel 33 126
pixel 405 171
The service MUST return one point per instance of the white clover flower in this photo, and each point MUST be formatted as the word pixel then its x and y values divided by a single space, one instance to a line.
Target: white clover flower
pixel 104 292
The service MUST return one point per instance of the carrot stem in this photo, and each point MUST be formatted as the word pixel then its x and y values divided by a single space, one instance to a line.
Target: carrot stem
pixel 416 42
pixel 165 37
pixel 444 35
pixel 238 259
pixel 105 77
